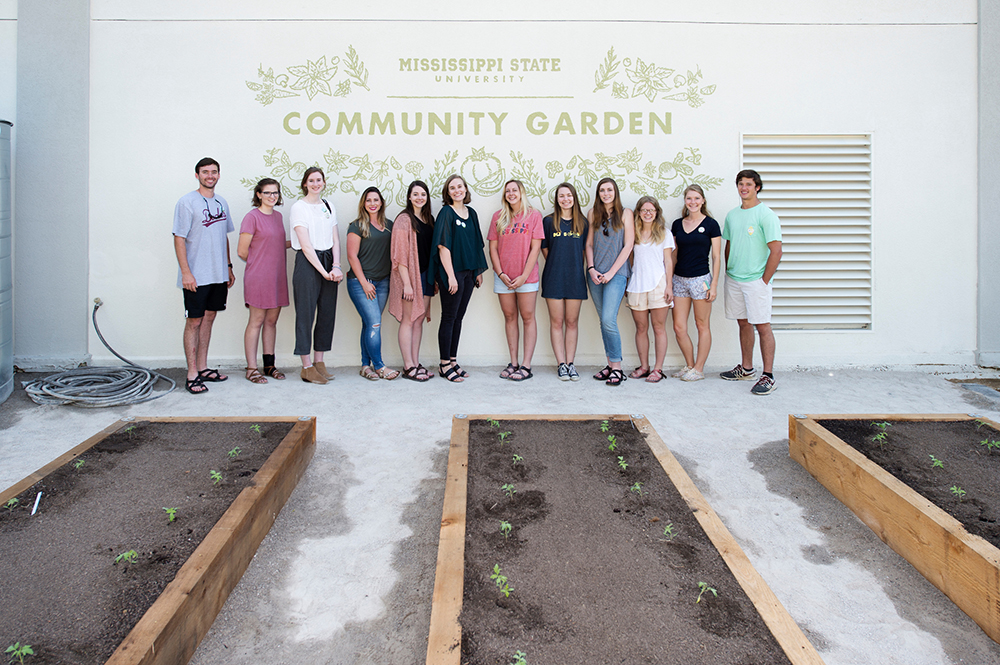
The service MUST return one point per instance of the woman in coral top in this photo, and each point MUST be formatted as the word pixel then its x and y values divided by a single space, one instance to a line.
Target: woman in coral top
pixel 515 238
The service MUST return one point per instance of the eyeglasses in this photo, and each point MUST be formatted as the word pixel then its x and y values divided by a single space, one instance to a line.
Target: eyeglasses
pixel 269 193
pixel 647 212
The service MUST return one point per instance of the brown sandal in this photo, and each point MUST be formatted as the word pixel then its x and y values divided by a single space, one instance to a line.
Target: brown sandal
pixel 274 372
pixel 386 373
pixel 254 375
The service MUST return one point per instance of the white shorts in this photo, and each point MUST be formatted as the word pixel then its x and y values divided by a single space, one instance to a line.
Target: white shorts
pixel 749 300
pixel 500 287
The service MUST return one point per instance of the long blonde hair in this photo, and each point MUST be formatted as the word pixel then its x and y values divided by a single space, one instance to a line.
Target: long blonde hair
pixel 363 221
pixel 704 201
pixel 659 230
pixel 507 213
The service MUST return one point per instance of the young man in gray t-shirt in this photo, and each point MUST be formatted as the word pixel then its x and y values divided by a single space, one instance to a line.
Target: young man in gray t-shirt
pixel 202 222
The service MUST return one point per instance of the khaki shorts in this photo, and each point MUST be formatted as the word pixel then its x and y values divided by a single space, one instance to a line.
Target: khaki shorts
pixel 749 300
pixel 654 299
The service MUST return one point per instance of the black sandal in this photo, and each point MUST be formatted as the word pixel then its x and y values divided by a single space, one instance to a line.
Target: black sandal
pixel 604 373
pixel 458 368
pixel 196 382
pixel 452 373
pixel 522 374
pixel 508 371
pixel 413 374
pixel 616 378
pixel 209 374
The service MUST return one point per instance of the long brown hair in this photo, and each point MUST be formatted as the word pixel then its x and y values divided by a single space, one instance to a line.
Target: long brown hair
pixel 579 219
pixel 364 225
pixel 704 201
pixel 425 213
pixel 601 215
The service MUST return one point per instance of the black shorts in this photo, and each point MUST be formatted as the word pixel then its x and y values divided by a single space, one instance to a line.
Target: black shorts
pixel 208 297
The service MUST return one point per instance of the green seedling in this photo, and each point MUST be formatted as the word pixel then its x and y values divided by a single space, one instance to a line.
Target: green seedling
pixel 980 423
pixel 79 464
pixel 505 529
pixel 12 504
pixel 959 492
pixel 613 446
pixel 503 437
pixel 130 556
pixel 509 490
pixel 882 425
pixel 235 452
pixel 702 588
pixel 130 430
pixel 256 429
pixel 605 426
pixel 517 458
pixel 990 445
pixel 215 476
pixel 669 532
pixel 19 651
pixel 880 439
pixel 520 658
pixel 936 463
pixel 622 464
pixel 501 581
pixel 493 423
pixel 637 488
pixel 171 514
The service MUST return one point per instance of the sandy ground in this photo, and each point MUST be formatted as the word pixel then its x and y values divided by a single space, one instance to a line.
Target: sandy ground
pixel 347 571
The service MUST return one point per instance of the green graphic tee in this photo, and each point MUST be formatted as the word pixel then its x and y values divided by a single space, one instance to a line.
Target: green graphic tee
pixel 748 232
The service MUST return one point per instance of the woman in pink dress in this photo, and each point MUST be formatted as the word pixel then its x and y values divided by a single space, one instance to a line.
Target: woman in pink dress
pixel 265 282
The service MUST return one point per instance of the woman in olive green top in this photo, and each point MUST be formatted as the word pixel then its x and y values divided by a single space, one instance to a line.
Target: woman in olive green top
pixel 369 243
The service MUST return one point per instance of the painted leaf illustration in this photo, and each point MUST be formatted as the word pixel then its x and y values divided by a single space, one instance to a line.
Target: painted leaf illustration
pixel 355 68
pixel 694 157
pixel 313 77
pixel 606 71
pixel 619 91
pixel 630 160
pixel 335 161
pixel 363 164
pixel 649 170
pixel 343 88
pixel 648 79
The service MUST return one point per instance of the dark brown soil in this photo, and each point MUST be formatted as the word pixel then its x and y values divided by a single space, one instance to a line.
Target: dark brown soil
pixel 968 465
pixel 594 578
pixel 62 591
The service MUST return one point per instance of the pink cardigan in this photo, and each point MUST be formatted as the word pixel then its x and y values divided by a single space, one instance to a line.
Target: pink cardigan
pixel 404 253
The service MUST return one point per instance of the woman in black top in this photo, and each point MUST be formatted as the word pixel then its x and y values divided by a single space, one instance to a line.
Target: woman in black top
pixel 696 235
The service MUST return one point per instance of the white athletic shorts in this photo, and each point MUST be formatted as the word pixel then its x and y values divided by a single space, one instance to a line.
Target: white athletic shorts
pixel 749 300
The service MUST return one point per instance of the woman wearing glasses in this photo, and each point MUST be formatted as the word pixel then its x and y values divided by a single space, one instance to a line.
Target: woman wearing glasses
pixel 609 244
pixel 265 283
pixel 651 289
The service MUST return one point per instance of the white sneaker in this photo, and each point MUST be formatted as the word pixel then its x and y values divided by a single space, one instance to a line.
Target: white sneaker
pixel 693 375
pixel 681 372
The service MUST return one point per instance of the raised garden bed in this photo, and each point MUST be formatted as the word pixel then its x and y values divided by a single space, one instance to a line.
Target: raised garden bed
pixel 928 488
pixel 596 574
pixel 104 572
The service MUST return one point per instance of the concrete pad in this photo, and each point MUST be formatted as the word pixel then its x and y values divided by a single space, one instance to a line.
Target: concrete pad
pixel 346 574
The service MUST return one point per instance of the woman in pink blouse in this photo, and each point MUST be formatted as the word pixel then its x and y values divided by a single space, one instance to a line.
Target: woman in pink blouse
pixel 515 238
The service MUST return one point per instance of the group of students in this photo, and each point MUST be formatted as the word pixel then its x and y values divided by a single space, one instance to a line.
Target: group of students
pixel 612 252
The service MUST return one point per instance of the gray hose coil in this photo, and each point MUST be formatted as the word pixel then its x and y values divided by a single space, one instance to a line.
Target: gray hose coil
pixel 96 387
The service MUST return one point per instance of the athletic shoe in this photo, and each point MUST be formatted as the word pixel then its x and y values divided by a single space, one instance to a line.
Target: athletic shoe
pixel 573 374
pixel 693 375
pixel 764 386
pixel 563 372
pixel 681 372
pixel 738 374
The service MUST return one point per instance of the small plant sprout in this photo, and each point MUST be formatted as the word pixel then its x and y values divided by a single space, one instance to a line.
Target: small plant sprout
pixel 882 425
pixel 702 588
pixel 503 437
pixel 12 504
pixel 256 429
pixel 19 651
pixel 215 476
pixel 637 488
pixel 129 556
pixel 130 430
pixel 613 445
pixel 979 423
pixel 517 458
pixel 622 464
pixel 493 423
pixel 79 464
pixel 505 529
pixel 171 514
pixel 936 463
pixel 880 439
pixel 605 426
pixel 509 490
pixel 990 445
pixel 959 492
pixel 235 452
pixel 520 658
pixel 669 532
pixel 501 581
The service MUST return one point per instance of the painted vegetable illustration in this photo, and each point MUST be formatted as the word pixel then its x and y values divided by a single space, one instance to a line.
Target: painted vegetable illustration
pixel 483 171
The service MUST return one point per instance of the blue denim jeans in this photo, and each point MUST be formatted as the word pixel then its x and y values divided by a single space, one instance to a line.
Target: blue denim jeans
pixel 371 319
pixel 608 300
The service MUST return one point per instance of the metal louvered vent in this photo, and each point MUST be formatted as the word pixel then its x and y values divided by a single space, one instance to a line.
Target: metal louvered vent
pixel 820 186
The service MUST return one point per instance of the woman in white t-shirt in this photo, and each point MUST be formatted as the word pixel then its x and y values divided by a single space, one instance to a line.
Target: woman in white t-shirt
pixel 315 276
pixel 651 289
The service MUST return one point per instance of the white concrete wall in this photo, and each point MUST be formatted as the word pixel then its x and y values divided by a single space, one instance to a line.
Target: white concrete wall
pixel 8 59
pixel 169 85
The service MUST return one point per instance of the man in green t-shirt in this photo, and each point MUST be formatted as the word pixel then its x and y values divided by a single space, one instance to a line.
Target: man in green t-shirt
pixel 753 250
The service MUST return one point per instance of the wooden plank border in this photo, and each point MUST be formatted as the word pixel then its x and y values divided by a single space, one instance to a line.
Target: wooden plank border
pixel 171 629
pixel 444 644
pixel 965 567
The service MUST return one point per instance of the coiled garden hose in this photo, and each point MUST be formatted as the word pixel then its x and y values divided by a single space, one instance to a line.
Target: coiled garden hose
pixel 94 387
